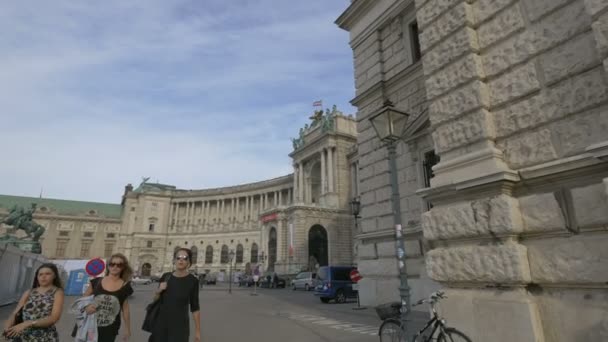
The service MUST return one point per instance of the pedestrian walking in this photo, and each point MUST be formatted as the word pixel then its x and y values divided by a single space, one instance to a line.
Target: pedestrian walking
pixel 38 309
pixel 110 299
pixel 179 291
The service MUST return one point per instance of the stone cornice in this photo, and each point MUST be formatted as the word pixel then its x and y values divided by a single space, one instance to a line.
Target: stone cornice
pixel 353 13
pixel 302 207
pixel 388 234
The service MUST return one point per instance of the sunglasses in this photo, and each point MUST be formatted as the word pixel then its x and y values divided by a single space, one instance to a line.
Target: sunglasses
pixel 182 257
pixel 116 264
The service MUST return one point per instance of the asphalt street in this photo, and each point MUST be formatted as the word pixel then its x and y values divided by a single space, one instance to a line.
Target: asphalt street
pixel 273 315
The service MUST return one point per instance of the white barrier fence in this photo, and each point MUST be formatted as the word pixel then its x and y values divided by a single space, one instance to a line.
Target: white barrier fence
pixel 17 270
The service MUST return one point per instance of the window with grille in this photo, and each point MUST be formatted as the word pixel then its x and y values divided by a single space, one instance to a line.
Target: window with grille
pixel 110 235
pixel 149 244
pixel 64 233
pixel 430 160
pixel 239 254
pixel 209 255
pixel 88 234
pixel 60 250
pixel 224 255
pixel 254 253
pixel 108 249
pixel 415 42
pixel 85 249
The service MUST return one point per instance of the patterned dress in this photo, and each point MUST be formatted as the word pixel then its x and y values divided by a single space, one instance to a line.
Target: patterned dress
pixel 39 306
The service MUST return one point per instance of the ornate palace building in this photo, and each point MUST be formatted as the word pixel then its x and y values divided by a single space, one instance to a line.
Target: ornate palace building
pixel 302 220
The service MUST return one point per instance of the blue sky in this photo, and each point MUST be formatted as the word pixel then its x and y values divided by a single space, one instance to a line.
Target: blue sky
pixel 198 94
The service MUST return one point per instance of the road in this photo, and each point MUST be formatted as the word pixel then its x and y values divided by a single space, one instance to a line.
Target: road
pixel 274 315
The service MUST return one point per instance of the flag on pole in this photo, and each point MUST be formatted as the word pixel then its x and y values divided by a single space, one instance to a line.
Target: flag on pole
pixel 318 103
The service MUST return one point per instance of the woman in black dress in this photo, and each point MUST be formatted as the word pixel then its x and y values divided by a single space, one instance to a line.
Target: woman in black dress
pixel 111 293
pixel 178 291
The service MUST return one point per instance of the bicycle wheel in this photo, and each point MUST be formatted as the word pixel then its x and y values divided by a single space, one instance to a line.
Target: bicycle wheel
pixel 452 335
pixel 390 331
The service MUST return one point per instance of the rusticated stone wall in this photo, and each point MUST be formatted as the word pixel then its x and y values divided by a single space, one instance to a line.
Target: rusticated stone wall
pixel 518 105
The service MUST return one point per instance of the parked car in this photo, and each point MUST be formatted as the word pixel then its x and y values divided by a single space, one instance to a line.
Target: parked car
pixel 305 281
pixel 141 281
pixel 267 282
pixel 210 279
pixel 333 283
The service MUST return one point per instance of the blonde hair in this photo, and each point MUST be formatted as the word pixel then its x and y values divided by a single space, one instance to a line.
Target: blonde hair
pixel 127 271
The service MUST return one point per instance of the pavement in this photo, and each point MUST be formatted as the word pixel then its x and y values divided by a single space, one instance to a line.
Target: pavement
pixel 273 315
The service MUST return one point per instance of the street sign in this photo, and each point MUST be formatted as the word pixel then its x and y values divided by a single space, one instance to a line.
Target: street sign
pixel 355 276
pixel 95 267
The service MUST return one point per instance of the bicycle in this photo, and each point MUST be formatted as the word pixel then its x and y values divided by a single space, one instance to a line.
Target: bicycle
pixel 392 331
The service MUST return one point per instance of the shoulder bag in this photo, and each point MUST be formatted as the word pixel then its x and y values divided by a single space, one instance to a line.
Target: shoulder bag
pixel 153 310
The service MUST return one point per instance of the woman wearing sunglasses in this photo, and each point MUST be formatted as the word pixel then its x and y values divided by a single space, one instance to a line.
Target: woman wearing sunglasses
pixel 179 291
pixel 111 293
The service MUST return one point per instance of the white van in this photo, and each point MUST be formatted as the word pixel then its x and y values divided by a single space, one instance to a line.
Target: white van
pixel 304 280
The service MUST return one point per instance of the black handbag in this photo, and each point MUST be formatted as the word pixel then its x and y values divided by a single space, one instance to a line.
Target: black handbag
pixel 152 312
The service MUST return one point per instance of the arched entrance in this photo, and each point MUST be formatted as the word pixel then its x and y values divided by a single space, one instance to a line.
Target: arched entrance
pixel 146 269
pixel 318 251
pixel 272 249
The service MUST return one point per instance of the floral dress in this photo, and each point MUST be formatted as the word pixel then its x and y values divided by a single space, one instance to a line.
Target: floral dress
pixel 39 306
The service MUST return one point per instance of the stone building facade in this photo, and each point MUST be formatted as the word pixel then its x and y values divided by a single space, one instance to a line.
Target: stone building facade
pixel 517 96
pixel 73 229
pixel 287 224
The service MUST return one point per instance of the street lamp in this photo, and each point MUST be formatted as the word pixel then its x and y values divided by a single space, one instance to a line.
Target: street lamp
pixel 389 123
pixel 230 258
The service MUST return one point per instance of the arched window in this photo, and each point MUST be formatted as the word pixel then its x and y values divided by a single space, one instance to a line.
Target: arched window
pixel 209 255
pixel 224 255
pixel 239 254
pixel 194 251
pixel 254 253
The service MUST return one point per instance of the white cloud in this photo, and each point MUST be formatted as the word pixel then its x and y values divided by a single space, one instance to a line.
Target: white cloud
pixel 196 94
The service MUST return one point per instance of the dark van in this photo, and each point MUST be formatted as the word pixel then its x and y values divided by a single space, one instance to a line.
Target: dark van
pixel 333 282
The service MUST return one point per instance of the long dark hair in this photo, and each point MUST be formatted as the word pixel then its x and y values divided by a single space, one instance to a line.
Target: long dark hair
pixel 127 271
pixel 56 280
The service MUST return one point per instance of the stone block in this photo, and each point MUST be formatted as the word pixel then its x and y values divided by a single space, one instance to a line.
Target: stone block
pixel 430 11
pixel 547 33
pixel 514 84
pixel 527 149
pixel 570 58
pixel 541 212
pixel 490 216
pixel 462 71
pixel 473 96
pixel 383 194
pixel 537 8
pixel 367 250
pixel 461 15
pixel 577 259
pixel 521 115
pixel 503 264
pixel 590 205
pixel 503 25
pixel 368 224
pixel 577 93
pixel 595 6
pixel 465 130
pixel 485 9
pixel 572 135
pixel 378 267
pixel 600 31
pixel 461 42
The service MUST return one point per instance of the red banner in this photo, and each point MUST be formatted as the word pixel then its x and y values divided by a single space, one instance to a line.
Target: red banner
pixel 269 217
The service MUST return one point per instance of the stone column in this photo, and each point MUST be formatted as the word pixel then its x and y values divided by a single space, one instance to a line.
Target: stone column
pixel 280 196
pixel 187 225
pixel 171 213
pixel 323 171
pixel 296 174
pixel 289 197
pixel 301 183
pixel 176 214
pixel 330 169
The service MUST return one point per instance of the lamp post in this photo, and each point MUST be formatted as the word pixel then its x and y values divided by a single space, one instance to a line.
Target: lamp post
pixel 230 258
pixel 389 124
pixel 355 207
